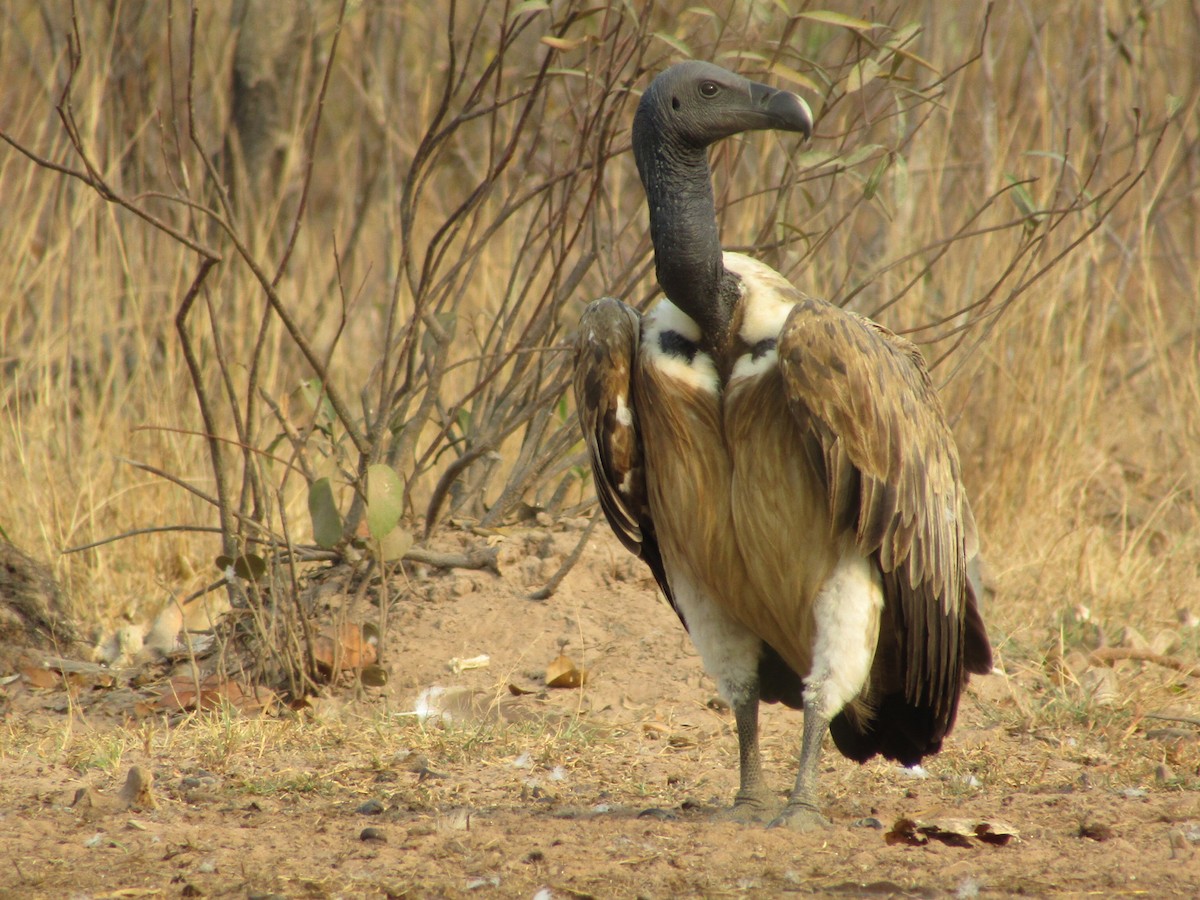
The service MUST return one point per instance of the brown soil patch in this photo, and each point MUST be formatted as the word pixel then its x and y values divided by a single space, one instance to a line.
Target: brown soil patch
pixel 602 790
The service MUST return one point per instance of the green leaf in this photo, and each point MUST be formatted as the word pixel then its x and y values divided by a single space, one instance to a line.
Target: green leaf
pixel 876 176
pixel 1021 197
pixel 813 159
pixel 828 17
pixel 314 394
pixel 394 544
pixel 528 6
pixel 385 500
pixel 901 39
pixel 741 55
pixel 861 75
pixel 326 520
pixel 463 420
pixel 866 151
pixel 565 44
pixel 248 566
pixel 787 73
pixel 674 43
pixel 900 180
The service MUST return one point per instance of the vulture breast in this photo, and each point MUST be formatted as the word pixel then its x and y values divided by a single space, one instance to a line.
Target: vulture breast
pixel 741 513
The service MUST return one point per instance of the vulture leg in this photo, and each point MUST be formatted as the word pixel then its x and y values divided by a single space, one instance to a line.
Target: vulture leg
pixel 731 655
pixel 846 614
pixel 754 801
pixel 802 812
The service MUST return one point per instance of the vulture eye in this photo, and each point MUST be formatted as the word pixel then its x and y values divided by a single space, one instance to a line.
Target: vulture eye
pixel 709 89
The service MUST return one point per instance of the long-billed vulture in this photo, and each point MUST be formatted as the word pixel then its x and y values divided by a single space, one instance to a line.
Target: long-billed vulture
pixel 783 466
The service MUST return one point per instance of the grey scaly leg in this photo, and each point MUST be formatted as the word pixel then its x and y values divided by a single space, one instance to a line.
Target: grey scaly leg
pixel 754 801
pixel 802 812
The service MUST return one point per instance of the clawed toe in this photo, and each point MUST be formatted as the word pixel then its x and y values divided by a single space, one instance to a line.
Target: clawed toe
pixel 800 818
pixel 748 810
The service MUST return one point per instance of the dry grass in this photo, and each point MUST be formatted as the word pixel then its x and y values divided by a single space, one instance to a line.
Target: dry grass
pixel 1076 394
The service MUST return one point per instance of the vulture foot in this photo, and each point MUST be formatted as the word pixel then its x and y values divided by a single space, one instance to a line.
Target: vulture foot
pixel 749 809
pixel 800 818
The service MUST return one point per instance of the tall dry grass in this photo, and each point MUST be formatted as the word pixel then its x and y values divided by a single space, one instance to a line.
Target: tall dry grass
pixel 1021 197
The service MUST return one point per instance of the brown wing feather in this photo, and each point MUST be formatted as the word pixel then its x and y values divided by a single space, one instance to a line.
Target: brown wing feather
pixel 893 475
pixel 606 352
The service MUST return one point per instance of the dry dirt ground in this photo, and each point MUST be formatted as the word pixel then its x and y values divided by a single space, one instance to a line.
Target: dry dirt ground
pixel 599 791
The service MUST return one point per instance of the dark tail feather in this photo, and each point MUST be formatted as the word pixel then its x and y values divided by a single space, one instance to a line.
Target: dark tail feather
pixel 897 730
pixel 977 649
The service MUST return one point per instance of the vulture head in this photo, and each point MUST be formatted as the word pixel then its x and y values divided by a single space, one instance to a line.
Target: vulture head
pixel 685 109
pixel 694 104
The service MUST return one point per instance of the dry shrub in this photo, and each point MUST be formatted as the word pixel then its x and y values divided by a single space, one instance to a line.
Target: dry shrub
pixel 448 185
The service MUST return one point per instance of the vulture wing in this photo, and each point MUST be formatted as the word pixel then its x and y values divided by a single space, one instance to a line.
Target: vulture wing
pixel 892 472
pixel 606 353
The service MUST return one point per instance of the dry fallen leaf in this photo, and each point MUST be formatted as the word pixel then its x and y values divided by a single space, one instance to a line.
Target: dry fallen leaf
pixel 40 677
pixel 183 694
pixel 953 832
pixel 347 647
pixel 563 673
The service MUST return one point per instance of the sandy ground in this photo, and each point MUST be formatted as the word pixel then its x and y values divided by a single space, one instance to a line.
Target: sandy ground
pixel 600 791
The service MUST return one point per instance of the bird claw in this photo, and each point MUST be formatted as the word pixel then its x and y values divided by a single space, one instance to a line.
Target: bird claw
pixel 748 809
pixel 798 817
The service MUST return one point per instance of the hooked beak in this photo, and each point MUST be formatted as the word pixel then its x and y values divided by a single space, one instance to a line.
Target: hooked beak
pixel 783 110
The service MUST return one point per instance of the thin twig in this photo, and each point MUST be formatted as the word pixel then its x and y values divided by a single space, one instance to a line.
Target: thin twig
pixel 1112 654
pixel 547 590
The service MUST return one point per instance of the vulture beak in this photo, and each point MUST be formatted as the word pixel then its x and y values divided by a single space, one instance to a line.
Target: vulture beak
pixel 783 110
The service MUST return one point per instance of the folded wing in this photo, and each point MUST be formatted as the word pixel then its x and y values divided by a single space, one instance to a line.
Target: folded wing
pixel 606 353
pixel 893 478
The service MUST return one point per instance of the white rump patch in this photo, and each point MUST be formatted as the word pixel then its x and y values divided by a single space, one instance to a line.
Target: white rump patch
pixel 846 615
pixel 700 373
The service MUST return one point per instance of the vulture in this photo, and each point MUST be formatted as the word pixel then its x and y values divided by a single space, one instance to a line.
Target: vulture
pixel 784 468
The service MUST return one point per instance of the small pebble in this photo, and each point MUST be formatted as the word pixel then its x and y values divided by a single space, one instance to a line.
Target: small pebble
pixel 371 808
pixel 371 833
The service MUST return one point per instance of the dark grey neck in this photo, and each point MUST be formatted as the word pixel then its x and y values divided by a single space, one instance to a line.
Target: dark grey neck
pixel 683 227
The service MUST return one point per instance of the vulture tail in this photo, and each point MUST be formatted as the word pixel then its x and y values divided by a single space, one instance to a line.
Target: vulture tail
pixel 898 730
